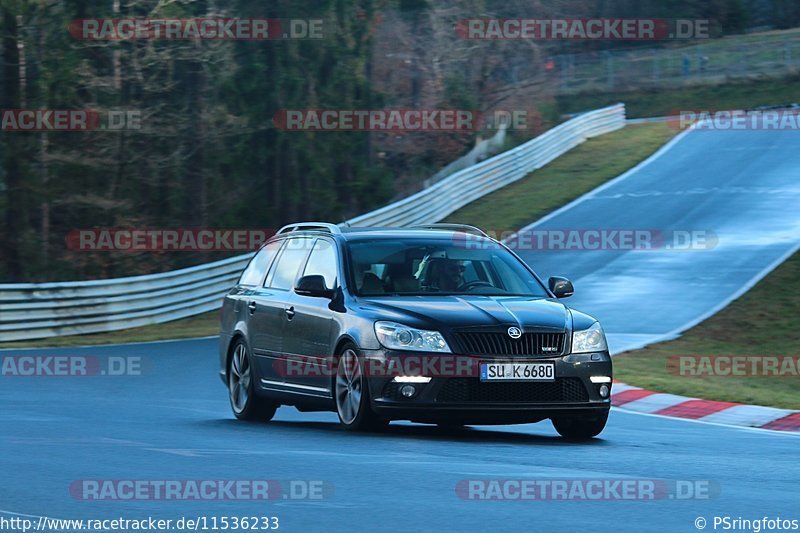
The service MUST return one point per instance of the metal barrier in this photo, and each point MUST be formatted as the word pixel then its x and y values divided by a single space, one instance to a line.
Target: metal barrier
pixel 41 310
pixel 465 186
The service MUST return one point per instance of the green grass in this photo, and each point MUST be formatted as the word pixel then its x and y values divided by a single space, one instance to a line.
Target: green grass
pixel 654 103
pixel 578 171
pixel 762 322
pixel 196 326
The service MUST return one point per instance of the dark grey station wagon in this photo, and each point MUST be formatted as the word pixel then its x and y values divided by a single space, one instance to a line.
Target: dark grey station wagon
pixel 437 324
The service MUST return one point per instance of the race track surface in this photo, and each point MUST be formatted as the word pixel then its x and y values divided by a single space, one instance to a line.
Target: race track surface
pixel 173 421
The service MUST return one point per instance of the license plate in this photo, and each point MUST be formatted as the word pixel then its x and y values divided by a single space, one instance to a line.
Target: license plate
pixel 518 372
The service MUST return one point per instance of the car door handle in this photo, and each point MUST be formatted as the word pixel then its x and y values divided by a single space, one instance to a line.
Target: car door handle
pixel 289 312
pixel 252 307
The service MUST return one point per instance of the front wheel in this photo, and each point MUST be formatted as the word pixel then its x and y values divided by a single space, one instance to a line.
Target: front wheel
pixel 580 428
pixel 244 402
pixel 351 393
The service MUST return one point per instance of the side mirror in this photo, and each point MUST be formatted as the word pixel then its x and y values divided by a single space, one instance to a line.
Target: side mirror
pixel 561 287
pixel 313 285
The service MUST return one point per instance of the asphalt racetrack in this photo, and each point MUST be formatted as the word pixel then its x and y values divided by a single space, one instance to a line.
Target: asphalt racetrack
pixel 173 422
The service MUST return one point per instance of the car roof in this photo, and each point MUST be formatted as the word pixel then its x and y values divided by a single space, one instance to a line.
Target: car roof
pixel 345 232
pixel 356 233
pixel 371 233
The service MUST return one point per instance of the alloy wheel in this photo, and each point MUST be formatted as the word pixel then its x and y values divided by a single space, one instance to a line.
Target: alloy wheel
pixel 349 386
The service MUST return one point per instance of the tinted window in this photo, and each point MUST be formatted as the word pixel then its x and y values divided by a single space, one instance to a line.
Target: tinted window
pixel 292 256
pixel 322 262
pixel 257 268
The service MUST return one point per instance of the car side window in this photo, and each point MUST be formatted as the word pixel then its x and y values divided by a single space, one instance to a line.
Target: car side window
pixel 257 268
pixel 322 262
pixel 284 274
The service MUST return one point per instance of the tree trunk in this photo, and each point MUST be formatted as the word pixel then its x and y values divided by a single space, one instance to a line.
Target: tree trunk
pixel 15 197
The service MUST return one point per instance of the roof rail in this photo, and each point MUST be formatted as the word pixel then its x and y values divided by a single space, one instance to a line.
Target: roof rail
pixel 310 226
pixel 464 228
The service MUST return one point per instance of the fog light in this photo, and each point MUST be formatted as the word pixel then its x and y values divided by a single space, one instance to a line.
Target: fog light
pixel 408 390
pixel 604 390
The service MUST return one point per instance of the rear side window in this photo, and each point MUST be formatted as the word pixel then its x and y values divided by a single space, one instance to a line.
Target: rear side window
pixel 283 275
pixel 258 266
pixel 322 262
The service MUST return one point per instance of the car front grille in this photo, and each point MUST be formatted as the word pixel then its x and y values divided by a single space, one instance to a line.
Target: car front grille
pixel 466 390
pixel 497 343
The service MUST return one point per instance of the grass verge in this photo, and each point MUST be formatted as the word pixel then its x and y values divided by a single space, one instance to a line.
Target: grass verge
pixel 762 322
pixel 577 172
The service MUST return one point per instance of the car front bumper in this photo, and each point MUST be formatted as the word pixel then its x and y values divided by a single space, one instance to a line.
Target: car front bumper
pixel 462 399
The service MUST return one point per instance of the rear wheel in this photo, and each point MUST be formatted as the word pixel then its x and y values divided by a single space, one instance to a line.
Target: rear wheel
pixel 351 393
pixel 244 402
pixel 580 428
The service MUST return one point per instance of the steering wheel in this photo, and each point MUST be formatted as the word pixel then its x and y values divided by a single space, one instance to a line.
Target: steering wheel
pixel 473 284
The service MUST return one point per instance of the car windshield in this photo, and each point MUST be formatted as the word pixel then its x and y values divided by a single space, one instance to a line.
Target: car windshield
pixel 438 266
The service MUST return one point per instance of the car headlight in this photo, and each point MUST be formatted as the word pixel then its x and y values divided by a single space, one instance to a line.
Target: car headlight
pixel 396 336
pixel 589 340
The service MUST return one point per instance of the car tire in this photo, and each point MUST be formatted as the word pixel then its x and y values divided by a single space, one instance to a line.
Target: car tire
pixel 351 394
pixel 246 405
pixel 580 428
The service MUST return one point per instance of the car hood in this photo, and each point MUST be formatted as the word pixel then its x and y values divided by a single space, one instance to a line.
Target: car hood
pixel 435 312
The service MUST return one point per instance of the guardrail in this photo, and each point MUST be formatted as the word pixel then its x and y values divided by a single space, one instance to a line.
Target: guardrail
pixel 465 186
pixel 42 310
